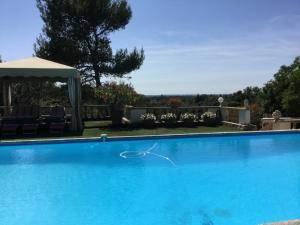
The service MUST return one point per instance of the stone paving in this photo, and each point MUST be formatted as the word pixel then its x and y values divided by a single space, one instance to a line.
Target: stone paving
pixel 291 222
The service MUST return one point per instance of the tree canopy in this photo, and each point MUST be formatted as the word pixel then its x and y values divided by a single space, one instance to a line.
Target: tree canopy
pixel 117 96
pixel 283 92
pixel 76 33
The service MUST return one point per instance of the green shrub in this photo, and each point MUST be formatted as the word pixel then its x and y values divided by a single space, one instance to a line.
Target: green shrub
pixel 148 117
pixel 117 96
pixel 188 119
pixel 209 119
pixel 169 119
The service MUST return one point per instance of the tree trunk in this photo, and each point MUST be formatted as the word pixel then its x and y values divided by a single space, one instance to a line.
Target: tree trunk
pixel 97 79
pixel 97 75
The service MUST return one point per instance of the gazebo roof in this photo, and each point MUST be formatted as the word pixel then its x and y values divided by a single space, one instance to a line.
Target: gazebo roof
pixel 36 67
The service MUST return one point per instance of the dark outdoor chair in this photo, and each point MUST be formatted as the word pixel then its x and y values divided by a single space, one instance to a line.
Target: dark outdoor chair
pixel 57 120
pixel 57 128
pixel 22 117
pixel 11 123
pixel 30 129
pixel 57 114
pixel 30 117
pixel 9 129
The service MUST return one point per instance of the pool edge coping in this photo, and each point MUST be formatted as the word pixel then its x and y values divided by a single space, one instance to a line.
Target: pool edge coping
pixel 142 137
pixel 289 222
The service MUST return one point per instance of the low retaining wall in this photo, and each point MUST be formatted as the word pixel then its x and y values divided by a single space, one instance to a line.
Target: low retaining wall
pixel 239 115
pixel 284 123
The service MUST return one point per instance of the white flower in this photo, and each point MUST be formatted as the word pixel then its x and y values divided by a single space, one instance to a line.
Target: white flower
pixel 168 116
pixel 208 115
pixel 188 116
pixel 148 117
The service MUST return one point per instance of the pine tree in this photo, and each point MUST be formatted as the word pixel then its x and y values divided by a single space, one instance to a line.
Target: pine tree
pixel 76 33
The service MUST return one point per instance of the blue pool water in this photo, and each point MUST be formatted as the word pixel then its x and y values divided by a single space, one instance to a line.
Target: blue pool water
pixel 236 180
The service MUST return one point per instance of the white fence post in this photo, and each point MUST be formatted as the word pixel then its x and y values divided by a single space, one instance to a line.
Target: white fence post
pixel 244 116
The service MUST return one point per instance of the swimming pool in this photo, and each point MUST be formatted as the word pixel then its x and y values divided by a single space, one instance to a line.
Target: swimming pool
pixel 247 179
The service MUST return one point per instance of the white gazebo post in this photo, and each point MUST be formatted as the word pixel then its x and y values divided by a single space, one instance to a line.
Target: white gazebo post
pixel 246 103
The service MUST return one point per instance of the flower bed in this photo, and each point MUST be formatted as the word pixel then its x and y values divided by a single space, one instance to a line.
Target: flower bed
pixel 148 120
pixel 209 119
pixel 169 119
pixel 188 119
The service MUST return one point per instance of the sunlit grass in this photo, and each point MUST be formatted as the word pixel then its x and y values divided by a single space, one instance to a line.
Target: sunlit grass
pixel 96 128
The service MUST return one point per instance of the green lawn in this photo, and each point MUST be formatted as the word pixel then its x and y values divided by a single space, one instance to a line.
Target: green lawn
pixel 96 128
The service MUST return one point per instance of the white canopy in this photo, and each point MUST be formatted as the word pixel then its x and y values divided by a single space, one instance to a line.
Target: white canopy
pixel 43 69
pixel 36 67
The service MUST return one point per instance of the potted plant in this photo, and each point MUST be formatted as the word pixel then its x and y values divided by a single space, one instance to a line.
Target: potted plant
pixel 209 118
pixel 169 119
pixel 148 119
pixel 188 119
pixel 117 96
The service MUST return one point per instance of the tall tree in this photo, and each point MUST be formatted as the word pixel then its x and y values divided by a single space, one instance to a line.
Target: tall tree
pixel 252 94
pixel 283 92
pixel 117 96
pixel 76 33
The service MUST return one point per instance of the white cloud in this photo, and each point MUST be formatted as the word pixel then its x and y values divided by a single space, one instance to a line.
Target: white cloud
pixel 285 21
pixel 251 59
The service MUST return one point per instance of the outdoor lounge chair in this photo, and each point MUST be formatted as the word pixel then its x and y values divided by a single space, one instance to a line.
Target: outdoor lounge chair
pixel 30 129
pixel 57 120
pixel 20 116
pixel 30 119
pixel 10 124
pixel 9 129
pixel 57 114
pixel 57 128
pixel 24 113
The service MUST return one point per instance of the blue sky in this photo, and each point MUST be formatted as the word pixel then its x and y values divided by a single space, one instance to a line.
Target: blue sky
pixel 191 46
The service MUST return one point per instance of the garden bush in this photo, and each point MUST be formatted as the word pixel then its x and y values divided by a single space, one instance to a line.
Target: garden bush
pixel 209 119
pixel 188 119
pixel 148 119
pixel 170 119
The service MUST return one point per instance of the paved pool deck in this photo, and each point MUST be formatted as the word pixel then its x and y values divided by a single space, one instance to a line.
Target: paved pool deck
pixel 291 222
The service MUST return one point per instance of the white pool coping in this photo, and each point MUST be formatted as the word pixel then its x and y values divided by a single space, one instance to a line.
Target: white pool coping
pixel 291 222
pixel 141 137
